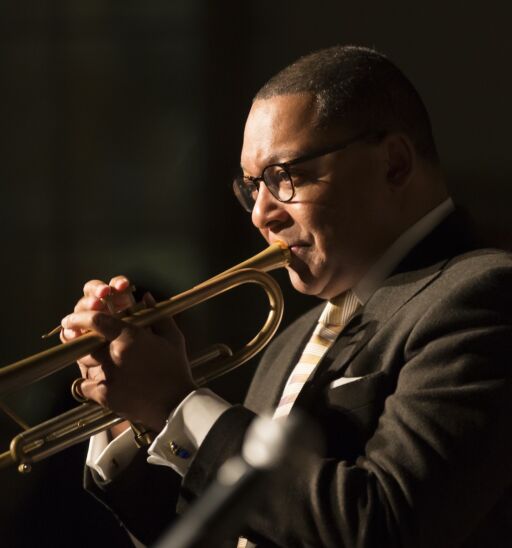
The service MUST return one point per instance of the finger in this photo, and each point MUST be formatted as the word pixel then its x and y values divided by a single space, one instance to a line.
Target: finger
pixel 95 391
pixel 81 321
pixel 110 304
pixel 91 320
pixel 97 288
pixel 118 429
pixel 88 362
pixel 119 283
pixel 89 303
pixel 100 358
pixel 121 296
pixel 92 373
pixel 83 371
pixel 69 334
pixel 119 301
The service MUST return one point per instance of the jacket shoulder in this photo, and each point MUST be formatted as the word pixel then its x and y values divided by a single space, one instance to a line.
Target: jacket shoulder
pixel 487 269
pixel 481 260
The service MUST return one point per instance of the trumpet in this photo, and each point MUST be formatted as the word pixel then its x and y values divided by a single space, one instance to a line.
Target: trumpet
pixel 82 422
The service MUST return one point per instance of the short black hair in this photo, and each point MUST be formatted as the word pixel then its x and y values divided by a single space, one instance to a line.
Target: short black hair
pixel 361 89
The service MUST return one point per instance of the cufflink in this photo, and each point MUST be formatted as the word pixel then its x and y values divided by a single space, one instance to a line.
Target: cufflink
pixel 141 436
pixel 179 451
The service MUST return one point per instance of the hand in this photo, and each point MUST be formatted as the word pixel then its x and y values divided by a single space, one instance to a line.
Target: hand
pixel 143 373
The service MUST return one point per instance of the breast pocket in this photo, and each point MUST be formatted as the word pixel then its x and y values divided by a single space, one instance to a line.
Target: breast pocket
pixel 361 399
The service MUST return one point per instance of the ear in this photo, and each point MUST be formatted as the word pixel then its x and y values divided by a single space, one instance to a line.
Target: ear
pixel 400 159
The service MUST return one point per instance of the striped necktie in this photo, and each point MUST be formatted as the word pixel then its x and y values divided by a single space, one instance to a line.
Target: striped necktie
pixel 333 319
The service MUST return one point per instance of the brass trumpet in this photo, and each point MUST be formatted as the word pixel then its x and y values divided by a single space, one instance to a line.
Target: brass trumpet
pixel 78 424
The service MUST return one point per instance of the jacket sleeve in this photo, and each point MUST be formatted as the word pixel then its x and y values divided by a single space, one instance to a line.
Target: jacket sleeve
pixel 439 459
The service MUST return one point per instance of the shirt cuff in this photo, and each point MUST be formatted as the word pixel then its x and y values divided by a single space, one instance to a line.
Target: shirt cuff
pixel 109 458
pixel 186 429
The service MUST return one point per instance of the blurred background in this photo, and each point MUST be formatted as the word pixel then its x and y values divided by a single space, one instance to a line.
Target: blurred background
pixel 121 130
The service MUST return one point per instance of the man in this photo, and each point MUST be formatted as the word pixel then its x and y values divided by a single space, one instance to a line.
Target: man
pixel 405 369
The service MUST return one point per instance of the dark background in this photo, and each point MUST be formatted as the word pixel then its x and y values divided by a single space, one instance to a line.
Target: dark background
pixel 121 126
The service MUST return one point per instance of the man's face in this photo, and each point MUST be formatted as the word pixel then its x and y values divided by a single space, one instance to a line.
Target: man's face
pixel 342 216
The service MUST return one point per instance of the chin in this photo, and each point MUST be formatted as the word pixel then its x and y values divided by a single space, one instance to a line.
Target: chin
pixel 308 285
pixel 323 288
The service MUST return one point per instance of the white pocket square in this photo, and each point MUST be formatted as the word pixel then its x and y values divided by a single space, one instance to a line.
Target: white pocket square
pixel 343 380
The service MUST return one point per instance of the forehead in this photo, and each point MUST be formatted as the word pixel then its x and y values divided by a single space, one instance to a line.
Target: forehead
pixel 277 129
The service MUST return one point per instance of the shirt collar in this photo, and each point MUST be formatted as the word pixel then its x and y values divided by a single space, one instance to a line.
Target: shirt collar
pixel 339 309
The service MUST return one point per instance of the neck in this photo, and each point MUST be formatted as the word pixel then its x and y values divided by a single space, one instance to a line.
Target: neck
pixel 428 191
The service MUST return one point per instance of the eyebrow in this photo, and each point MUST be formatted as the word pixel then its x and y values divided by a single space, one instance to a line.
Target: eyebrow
pixel 278 158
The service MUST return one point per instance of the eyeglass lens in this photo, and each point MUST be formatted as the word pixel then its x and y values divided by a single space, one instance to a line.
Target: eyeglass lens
pixel 277 180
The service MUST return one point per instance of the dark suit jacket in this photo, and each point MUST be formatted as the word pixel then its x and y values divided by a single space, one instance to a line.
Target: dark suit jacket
pixel 417 452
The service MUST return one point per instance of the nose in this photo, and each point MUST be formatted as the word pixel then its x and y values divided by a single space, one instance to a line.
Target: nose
pixel 268 212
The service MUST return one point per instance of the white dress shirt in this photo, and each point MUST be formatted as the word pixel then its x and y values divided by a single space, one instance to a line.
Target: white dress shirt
pixel 191 421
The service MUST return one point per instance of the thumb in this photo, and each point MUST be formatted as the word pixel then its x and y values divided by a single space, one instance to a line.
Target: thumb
pixel 112 328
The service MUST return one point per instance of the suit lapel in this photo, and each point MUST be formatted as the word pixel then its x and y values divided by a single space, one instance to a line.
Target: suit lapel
pixel 381 307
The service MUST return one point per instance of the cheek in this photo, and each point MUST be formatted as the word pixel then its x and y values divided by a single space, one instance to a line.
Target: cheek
pixel 342 233
pixel 330 226
pixel 355 206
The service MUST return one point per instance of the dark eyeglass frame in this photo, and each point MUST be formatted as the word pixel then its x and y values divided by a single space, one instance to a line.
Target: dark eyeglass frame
pixel 241 179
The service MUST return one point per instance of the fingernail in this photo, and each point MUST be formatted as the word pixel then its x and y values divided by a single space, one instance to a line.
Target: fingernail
pixel 69 334
pixel 121 285
pixel 64 321
pixel 103 292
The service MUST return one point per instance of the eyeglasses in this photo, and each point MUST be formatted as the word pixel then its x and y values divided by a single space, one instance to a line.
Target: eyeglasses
pixel 277 177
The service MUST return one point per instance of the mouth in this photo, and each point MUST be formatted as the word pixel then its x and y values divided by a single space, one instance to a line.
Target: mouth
pixel 298 248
